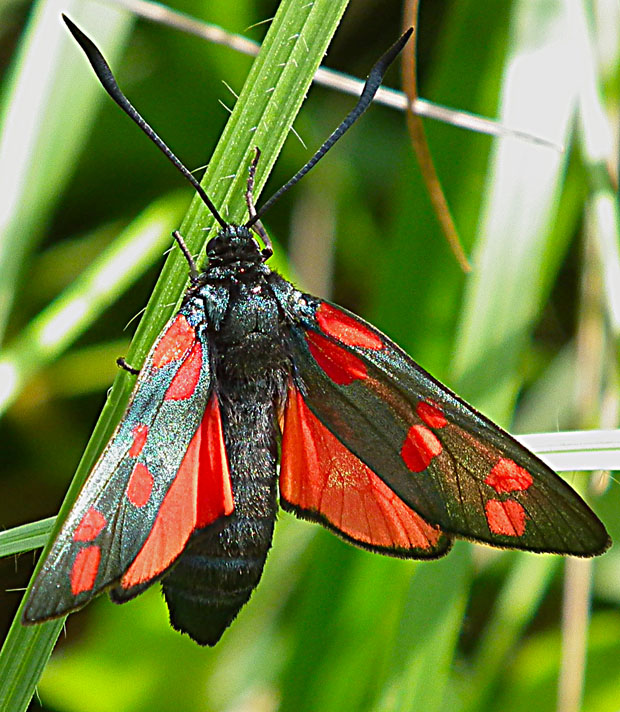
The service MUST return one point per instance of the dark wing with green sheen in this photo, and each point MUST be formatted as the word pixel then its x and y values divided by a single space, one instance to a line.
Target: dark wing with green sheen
pixel 454 467
pixel 140 504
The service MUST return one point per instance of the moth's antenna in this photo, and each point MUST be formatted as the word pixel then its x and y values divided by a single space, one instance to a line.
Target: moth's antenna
pixel 368 92
pixel 105 76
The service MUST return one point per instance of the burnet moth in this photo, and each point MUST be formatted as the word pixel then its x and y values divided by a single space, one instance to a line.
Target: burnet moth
pixel 371 445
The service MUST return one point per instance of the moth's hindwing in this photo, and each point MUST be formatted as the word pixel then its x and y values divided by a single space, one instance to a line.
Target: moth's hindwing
pixel 321 480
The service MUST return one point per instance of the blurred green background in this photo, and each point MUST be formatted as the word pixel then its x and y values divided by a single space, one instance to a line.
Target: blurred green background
pixel 530 338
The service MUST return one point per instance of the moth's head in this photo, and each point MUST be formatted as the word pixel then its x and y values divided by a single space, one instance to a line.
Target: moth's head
pixel 234 244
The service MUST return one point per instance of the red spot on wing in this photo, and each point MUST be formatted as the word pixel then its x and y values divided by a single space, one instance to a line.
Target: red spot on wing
pixel 420 447
pixel 174 342
pixel 140 434
pixel 431 414
pixel 90 526
pixel 200 493
pixel 186 378
pixel 84 569
pixel 340 365
pixel 318 474
pixel 507 476
pixel 140 485
pixel 507 518
pixel 345 328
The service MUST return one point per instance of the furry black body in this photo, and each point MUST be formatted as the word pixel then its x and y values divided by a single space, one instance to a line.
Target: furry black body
pixel 223 564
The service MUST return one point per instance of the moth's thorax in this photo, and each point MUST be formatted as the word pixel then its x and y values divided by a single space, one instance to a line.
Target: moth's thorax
pixel 241 310
pixel 249 339
pixel 252 310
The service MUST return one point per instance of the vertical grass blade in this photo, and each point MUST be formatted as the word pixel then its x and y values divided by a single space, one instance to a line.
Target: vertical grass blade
pixel 58 326
pixel 263 115
pixel 515 256
pixel 45 115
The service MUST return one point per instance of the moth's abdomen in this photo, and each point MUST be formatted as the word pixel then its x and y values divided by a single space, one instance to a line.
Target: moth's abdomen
pixel 207 588
pixel 218 571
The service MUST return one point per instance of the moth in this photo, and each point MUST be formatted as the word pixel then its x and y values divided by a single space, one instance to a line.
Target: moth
pixel 251 371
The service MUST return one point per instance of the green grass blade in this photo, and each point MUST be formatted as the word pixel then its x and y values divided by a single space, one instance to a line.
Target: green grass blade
pixel 512 613
pixel 436 631
pixel 22 662
pixel 39 138
pixel 263 115
pixel 599 152
pixel 26 537
pixel 515 255
pixel 423 655
pixel 73 311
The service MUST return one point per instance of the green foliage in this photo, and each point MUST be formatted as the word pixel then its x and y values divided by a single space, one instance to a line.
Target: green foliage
pixel 329 627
